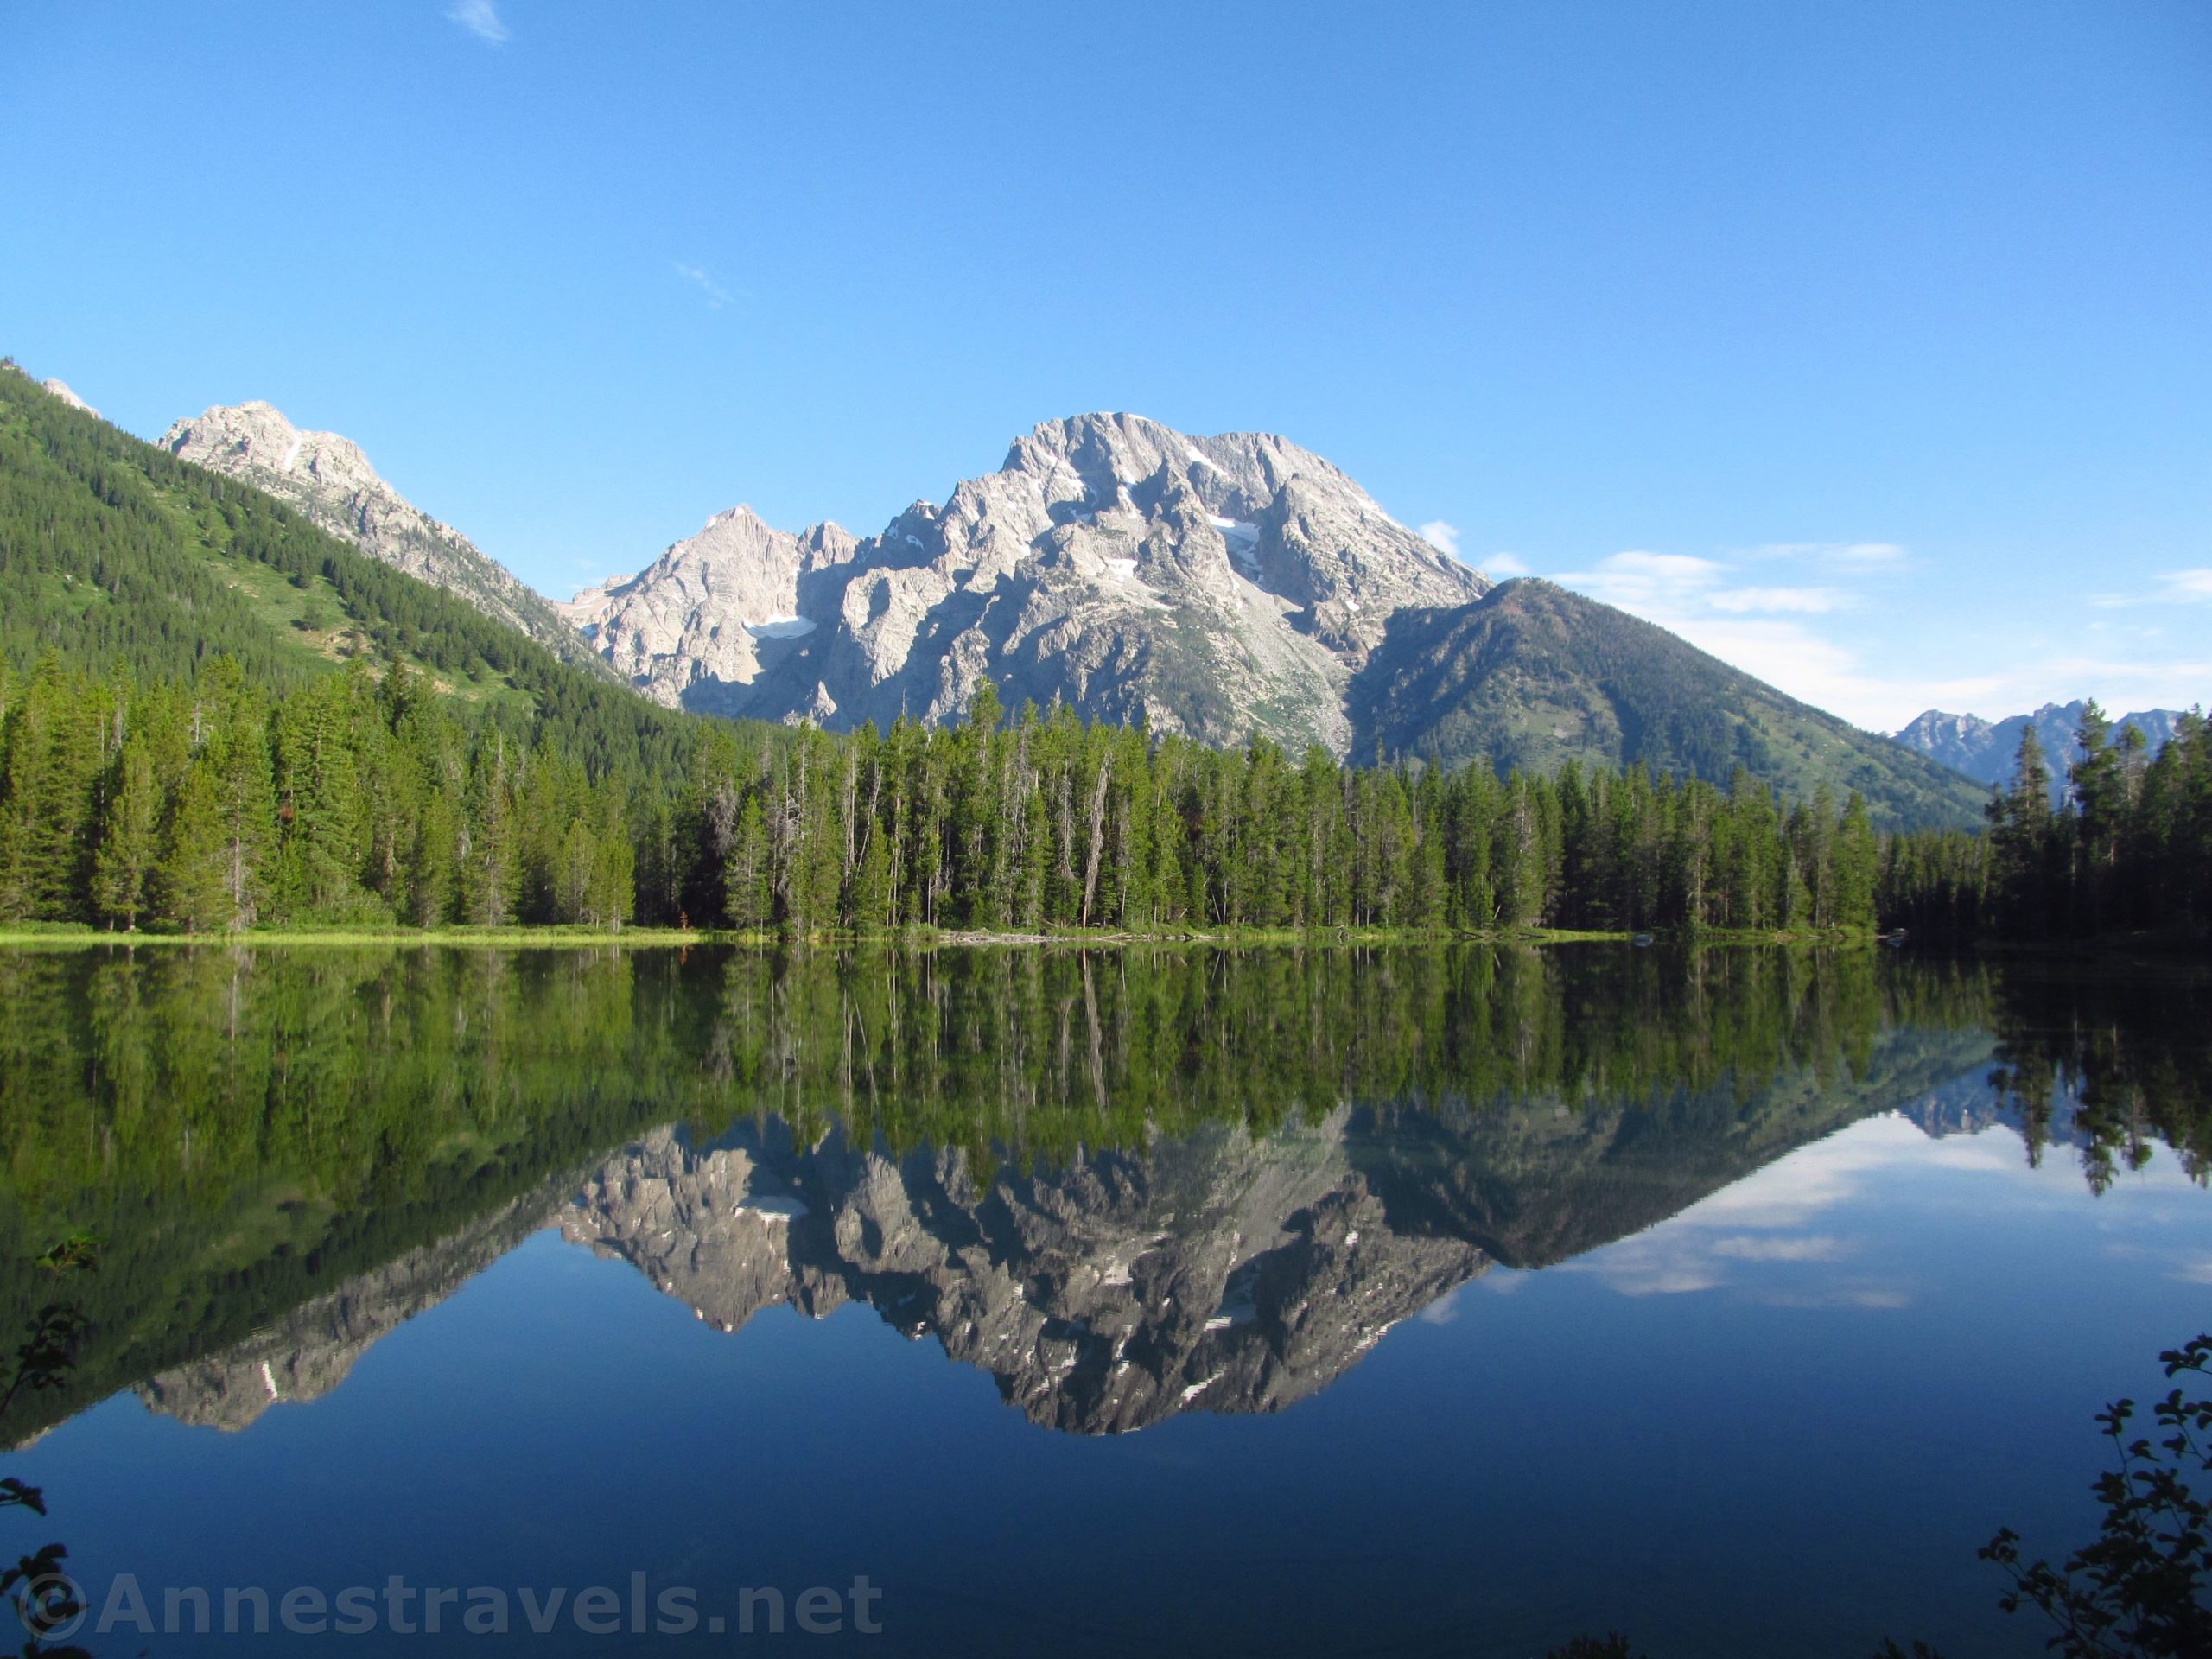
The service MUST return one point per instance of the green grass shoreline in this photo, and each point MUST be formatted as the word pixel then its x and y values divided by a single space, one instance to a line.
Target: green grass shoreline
pixel 80 936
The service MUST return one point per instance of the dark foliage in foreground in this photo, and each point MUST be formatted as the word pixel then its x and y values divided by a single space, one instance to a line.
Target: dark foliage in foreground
pixel 2143 1586
pixel 36 1587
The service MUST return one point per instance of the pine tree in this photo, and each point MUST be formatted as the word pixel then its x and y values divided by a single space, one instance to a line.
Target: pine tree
pixel 747 885
pixel 50 775
pixel 573 867
pixel 246 808
pixel 192 879
pixel 429 890
pixel 490 875
pixel 1857 857
pixel 321 848
pixel 2020 842
pixel 1519 859
pixel 870 903
pixel 611 897
pixel 129 839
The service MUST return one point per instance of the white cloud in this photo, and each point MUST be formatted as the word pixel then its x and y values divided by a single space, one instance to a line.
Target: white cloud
pixel 1655 585
pixel 1849 555
pixel 480 18
pixel 1777 632
pixel 1755 1238
pixel 1745 1247
pixel 1811 600
pixel 1766 632
pixel 1865 555
pixel 717 295
pixel 2174 587
pixel 1675 567
pixel 1444 536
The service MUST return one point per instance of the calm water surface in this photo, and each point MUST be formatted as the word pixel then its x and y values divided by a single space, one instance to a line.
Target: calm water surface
pixel 1324 1302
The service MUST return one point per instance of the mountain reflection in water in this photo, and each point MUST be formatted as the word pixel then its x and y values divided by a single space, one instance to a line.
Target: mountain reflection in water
pixel 1126 1183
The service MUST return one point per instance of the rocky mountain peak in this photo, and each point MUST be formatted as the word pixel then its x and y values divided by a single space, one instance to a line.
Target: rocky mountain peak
pixel 1215 586
pixel 701 612
pixel 255 437
pixel 1221 1274
pixel 61 388
pixel 328 479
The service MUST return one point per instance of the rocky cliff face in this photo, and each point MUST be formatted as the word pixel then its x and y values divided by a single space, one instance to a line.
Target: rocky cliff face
pixel 61 388
pixel 328 479
pixel 700 615
pixel 1211 586
pixel 1216 1273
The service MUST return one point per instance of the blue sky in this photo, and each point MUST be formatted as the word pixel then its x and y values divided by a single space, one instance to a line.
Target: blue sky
pixel 1869 345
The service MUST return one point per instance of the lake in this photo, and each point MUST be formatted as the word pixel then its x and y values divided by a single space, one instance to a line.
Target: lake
pixel 1153 1300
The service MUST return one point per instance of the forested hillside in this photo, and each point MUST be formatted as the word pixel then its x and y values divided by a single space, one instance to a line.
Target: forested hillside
pixel 1530 675
pixel 213 716
pixel 121 557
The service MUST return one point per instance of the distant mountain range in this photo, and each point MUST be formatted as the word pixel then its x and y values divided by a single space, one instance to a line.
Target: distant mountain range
pixel 1988 751
pixel 1218 587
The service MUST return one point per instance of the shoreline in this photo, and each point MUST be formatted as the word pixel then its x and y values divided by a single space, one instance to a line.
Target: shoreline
pixel 80 938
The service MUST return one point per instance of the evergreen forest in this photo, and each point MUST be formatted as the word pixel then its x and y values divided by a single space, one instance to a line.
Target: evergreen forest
pixel 2127 850
pixel 214 716
pixel 364 799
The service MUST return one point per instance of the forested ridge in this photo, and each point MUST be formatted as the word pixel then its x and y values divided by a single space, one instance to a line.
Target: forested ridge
pixel 127 561
pixel 1533 675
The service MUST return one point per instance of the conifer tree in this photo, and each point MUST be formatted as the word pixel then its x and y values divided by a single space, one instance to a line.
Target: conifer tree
pixel 1857 856
pixel 2020 837
pixel 130 838
pixel 191 881
pixel 748 888
pixel 870 903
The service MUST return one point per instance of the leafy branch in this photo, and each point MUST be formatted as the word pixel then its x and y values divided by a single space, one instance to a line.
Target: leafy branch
pixel 2139 1588
pixel 38 1587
